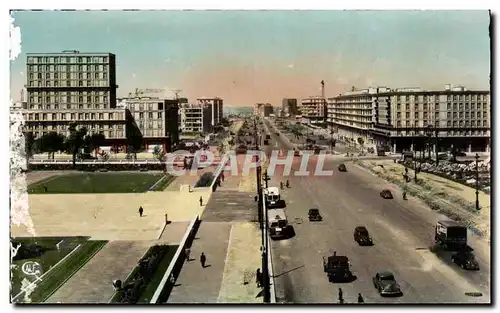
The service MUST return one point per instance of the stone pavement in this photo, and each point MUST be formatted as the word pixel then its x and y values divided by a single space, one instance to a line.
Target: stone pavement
pixel 110 216
pixel 445 189
pixel 202 285
pixel 93 282
pixel 228 206
pixel 243 259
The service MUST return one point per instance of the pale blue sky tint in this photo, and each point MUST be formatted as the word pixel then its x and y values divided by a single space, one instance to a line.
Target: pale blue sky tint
pixel 263 56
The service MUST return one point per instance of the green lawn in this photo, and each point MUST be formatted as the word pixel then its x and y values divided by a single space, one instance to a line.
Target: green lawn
pixel 150 289
pixel 97 183
pixel 47 260
pixel 164 183
pixel 158 275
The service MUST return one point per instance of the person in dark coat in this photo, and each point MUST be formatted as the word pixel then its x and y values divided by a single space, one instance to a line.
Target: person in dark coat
pixel 201 201
pixel 258 278
pixel 341 295
pixel 203 259
pixel 141 211
pixel 256 198
pixel 360 298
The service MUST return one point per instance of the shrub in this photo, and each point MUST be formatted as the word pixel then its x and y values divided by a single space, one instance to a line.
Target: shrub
pixel 205 180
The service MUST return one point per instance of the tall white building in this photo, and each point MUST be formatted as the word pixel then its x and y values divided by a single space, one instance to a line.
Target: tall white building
pixel 314 109
pixel 195 118
pixel 217 106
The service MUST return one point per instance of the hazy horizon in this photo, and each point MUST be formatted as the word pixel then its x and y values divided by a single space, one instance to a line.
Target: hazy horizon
pixel 246 57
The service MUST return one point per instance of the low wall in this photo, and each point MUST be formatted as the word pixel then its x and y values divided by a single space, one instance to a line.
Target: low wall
pixel 163 291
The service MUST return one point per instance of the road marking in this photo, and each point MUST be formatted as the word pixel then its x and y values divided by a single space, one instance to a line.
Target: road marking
pixel 232 203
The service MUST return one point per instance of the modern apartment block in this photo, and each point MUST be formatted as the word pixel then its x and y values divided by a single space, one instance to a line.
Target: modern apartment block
pixel 156 119
pixel 263 109
pixel 407 117
pixel 314 109
pixel 195 118
pixel 289 106
pixel 73 86
pixel 217 105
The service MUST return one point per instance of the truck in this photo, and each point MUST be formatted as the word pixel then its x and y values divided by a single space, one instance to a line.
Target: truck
pixel 451 235
pixel 272 197
pixel 278 224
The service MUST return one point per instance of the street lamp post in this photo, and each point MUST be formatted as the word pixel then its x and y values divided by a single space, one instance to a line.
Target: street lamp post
pixel 265 251
pixel 477 183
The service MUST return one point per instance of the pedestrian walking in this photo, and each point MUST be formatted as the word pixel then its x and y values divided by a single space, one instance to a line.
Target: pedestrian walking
pixel 187 252
pixel 360 298
pixel 203 259
pixel 258 278
pixel 256 198
pixel 141 211
pixel 341 295
pixel 201 201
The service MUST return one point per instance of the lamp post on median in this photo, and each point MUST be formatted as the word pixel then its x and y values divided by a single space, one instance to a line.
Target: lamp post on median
pixel 265 250
pixel 477 183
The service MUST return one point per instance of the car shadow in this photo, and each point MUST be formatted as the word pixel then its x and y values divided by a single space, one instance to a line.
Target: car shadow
pixel 352 279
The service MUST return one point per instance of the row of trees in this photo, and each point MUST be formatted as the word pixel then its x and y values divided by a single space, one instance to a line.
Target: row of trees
pixel 77 140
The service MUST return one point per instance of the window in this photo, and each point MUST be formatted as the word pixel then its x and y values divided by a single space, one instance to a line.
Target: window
pixel 141 115
pixel 89 106
pixel 110 116
pixel 89 99
pixel 448 123
pixel 407 115
pixel 80 83
pixel 485 115
pixel 399 106
pixel 86 116
pixel 105 98
pixel 455 115
pixel 467 115
pixel 80 106
pixel 461 115
pixel 101 116
pixel 150 115
pixel 68 106
pixel 80 60
pixel 104 76
pixel 160 115
pixel 92 116
pixel 454 97
pixel 484 106
pixel 455 123
pixel 454 106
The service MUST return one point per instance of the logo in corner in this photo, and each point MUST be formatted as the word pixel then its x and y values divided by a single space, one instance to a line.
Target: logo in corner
pixel 32 268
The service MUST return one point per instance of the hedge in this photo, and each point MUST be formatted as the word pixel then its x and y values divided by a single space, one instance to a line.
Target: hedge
pixel 205 180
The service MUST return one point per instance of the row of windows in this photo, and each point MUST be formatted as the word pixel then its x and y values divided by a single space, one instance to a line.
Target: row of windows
pixel 141 106
pixel 67 99
pixel 107 134
pixel 462 97
pixel 448 123
pixel 68 106
pixel 150 115
pixel 67 68
pixel 450 133
pixel 68 83
pixel 68 93
pixel 64 76
pixel 72 116
pixel 448 115
pixel 63 127
pixel 65 59
pixel 153 133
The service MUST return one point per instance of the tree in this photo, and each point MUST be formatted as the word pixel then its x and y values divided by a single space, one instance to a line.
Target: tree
pixel 29 145
pixel 361 142
pixel 51 143
pixel 75 140
pixel 96 141
pixel 159 154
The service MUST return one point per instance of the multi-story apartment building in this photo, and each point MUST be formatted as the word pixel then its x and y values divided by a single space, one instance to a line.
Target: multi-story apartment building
pixel 314 109
pixel 217 106
pixel 73 87
pixel 263 109
pixel 156 119
pixel 289 106
pixel 195 118
pixel 408 118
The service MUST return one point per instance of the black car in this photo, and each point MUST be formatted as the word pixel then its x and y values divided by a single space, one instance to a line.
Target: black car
pixel 386 194
pixel 314 215
pixel 465 260
pixel 342 168
pixel 386 284
pixel 362 237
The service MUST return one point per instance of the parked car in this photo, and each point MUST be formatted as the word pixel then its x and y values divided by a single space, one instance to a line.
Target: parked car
pixel 465 260
pixel 314 215
pixel 386 284
pixel 342 168
pixel 362 237
pixel 386 194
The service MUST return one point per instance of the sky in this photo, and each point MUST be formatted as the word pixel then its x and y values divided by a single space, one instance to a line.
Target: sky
pixel 265 56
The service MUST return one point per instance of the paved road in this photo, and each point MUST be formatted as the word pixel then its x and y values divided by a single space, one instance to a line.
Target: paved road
pixel 399 229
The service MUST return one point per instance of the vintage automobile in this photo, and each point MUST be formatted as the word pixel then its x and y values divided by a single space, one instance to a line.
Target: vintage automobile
pixel 337 269
pixel 297 153
pixel 362 237
pixel 342 168
pixel 314 215
pixel 386 194
pixel 386 284
pixel 466 260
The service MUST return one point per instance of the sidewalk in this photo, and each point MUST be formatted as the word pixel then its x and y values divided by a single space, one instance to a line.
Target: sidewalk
pixel 458 196
pixel 202 285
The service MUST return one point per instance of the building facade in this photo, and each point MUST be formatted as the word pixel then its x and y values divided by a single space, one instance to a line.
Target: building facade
pixel 217 106
pixel 410 118
pixel 157 120
pixel 314 109
pixel 195 118
pixel 290 107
